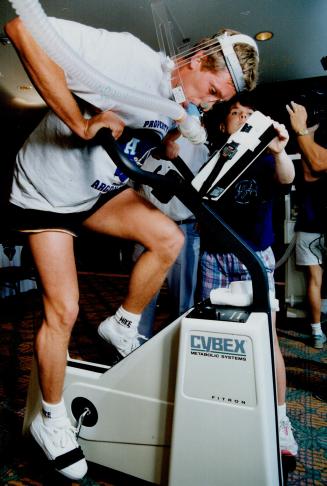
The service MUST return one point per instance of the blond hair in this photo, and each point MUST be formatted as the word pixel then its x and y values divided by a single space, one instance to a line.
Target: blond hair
pixel 214 60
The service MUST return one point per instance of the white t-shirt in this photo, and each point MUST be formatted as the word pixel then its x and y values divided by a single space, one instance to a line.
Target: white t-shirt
pixel 194 156
pixel 58 171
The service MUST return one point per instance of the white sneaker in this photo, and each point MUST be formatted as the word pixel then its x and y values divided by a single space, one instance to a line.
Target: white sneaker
pixel 124 339
pixel 57 439
pixel 287 443
pixel 318 340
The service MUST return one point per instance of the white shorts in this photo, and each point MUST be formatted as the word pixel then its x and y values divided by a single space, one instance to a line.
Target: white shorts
pixel 309 248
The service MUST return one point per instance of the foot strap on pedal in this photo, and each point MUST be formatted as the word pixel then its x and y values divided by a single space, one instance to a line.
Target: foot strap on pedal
pixel 67 459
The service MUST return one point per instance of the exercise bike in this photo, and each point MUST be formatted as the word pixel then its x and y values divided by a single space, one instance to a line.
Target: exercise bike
pixel 196 404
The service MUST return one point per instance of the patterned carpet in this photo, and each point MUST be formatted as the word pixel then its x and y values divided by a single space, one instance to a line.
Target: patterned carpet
pixel 22 464
pixel 306 397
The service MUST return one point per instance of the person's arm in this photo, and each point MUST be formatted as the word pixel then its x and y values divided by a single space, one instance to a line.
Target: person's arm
pixel 169 148
pixel 170 143
pixel 50 81
pixel 284 167
pixel 314 155
pixel 308 176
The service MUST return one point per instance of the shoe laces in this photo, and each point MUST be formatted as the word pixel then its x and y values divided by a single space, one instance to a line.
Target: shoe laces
pixel 62 435
pixel 286 426
pixel 127 345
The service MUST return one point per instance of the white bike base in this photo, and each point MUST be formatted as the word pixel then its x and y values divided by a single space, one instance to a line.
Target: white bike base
pixel 214 424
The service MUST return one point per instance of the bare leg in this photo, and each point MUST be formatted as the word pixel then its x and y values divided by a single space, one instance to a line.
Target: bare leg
pixel 132 217
pixel 287 442
pixel 280 365
pixel 314 282
pixel 54 258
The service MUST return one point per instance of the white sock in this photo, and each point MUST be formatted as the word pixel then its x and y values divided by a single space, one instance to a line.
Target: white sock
pixel 323 307
pixel 316 329
pixel 281 410
pixel 54 410
pixel 127 320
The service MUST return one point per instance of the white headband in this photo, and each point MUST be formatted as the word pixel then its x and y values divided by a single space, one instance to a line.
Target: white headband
pixel 227 42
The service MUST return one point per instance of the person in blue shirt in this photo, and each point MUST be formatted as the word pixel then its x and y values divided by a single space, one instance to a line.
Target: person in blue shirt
pixel 247 207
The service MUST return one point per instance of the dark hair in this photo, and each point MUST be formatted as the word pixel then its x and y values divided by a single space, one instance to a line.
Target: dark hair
pixel 245 99
pixel 218 114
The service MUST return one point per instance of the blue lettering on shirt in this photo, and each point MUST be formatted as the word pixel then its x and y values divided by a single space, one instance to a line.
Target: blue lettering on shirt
pixel 137 143
pixel 131 146
pixel 121 176
pixel 103 187
pixel 156 124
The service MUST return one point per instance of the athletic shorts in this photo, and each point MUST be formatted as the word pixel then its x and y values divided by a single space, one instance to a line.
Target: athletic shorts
pixel 219 270
pixel 36 221
pixel 309 248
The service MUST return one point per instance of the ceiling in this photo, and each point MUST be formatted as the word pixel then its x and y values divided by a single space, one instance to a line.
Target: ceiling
pixel 295 51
